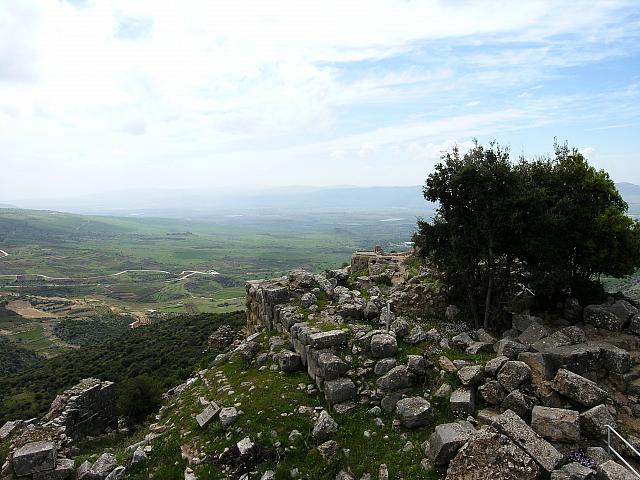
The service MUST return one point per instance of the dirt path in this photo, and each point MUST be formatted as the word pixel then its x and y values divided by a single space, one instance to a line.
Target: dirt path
pixel 3 254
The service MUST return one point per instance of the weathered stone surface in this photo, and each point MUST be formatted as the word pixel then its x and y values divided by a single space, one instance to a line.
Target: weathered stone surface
pixel 339 390
pixel 492 367
pixel 579 389
pixel 102 467
pixel 332 338
pixel 400 327
pixel 624 310
pixel 611 470
pixel 461 341
pixel 208 414
pixel 485 337
pixel 463 401
pixel 598 455
pixel 383 366
pixel 556 424
pixel 479 347
pixel 83 470
pixel 289 361
pixel 34 457
pixel 63 471
pixel 383 345
pixel 414 412
pixel 634 325
pixel 388 402
pixel 521 322
pixel 615 359
pixel 8 428
pixel 519 432
pixel 418 365
pixel 571 310
pixel 600 316
pixel 492 392
pixel 228 416
pixel 509 348
pixel 520 403
pixel 395 379
pixel 573 471
pixel 443 391
pixel 541 366
pixel 447 365
pixel 594 421
pixel 331 366
pixel 533 333
pixel 447 439
pixel 576 358
pixel 513 374
pixel 471 375
pixel 117 473
pixel 491 455
pixel 416 335
pixel 324 427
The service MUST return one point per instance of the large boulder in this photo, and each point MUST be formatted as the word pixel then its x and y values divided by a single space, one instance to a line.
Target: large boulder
pixel 331 366
pixel 611 470
pixel 332 338
pixel 615 359
pixel 513 374
pixel 463 401
pixel 537 447
pixel 325 427
pixel 520 403
pixel 34 457
pixel 533 333
pixel 600 316
pixel 492 455
pixel 414 412
pixel 102 467
pixel 383 345
pixel 447 439
pixel 579 389
pixel 509 348
pixel 461 341
pixel 471 375
pixel 573 471
pixel 556 424
pixel 579 359
pixel 492 392
pixel 492 367
pixel 289 361
pixel 339 390
pixel 395 379
pixel 594 421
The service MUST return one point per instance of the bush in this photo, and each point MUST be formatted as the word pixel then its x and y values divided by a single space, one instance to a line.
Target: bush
pixel 137 398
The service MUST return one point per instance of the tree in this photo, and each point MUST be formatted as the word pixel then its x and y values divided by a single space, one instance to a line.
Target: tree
pixel 553 225
pixel 137 398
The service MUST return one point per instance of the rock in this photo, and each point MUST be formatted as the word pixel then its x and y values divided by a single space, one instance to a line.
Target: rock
pixel 332 338
pixel 471 376
pixel 461 341
pixel 491 455
pixel 8 428
pixel 492 392
pixel 400 327
pixel 556 424
pixel 383 345
pixel 388 402
pixel 339 390
pixel 102 467
pixel 324 427
pixel 208 414
pixel 601 317
pixel 227 417
pixel 344 408
pixel 308 299
pixel 139 455
pixel 342 475
pixel 395 379
pixel 624 310
pixel 417 365
pixel 328 449
pixel 578 389
pixel 533 333
pixel 611 470
pixel 414 412
pixel 447 439
pixel 479 347
pixel 520 403
pixel 520 433
pixel 615 359
pixel 576 358
pixel 513 374
pixel 117 473
pixel 492 367
pixel 371 310
pixel 634 325
pixel 34 457
pixel 248 350
pixel 509 348
pixel 268 475
pixel 571 310
pixel 486 416
pixel 572 471
pixel 521 322
pixel 485 337
pixel 63 471
pixel 463 401
pixel 383 472
pixel 447 365
pixel 598 455
pixel 416 335
pixel 443 391
pixel 331 366
pixel 540 365
pixel 289 361
pixel 384 365
pixel 452 313
pixel 594 421
pixel 83 470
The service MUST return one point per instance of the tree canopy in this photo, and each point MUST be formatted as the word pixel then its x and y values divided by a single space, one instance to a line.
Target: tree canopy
pixel 551 225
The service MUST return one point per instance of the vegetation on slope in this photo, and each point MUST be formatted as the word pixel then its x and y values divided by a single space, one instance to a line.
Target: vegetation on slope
pixel 93 330
pixel 14 358
pixel 166 351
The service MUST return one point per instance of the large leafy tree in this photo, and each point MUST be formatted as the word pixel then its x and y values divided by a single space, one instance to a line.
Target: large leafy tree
pixel 552 225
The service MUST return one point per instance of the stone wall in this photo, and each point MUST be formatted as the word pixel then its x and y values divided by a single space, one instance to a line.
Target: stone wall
pixel 261 300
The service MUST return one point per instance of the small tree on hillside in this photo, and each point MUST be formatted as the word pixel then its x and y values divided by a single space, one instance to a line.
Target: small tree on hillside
pixel 137 398
pixel 554 224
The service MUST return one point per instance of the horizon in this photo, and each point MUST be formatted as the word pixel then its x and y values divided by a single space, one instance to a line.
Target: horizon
pixel 150 95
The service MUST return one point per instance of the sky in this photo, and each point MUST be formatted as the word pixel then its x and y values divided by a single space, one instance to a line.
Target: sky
pixel 108 95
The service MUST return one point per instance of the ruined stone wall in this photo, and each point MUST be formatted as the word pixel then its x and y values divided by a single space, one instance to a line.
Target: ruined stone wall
pixel 261 300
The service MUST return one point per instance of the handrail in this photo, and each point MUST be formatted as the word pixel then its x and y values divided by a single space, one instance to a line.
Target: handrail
pixel 613 450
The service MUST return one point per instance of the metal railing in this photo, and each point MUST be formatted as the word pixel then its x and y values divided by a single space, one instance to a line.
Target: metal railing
pixel 611 430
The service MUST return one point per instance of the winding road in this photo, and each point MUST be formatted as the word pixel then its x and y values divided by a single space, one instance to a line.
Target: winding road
pixel 3 254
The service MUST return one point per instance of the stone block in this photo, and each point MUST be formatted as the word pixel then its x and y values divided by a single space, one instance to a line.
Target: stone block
pixel 463 401
pixel 509 348
pixel 533 333
pixel 414 412
pixel 383 345
pixel 514 374
pixel 593 422
pixel 289 361
pixel 600 316
pixel 330 366
pixel 520 403
pixel 34 457
pixel 611 470
pixel 556 424
pixel 579 389
pixel 208 414
pixel 447 439
pixel 339 390
pixel 395 379
pixel 471 375
pixel 332 338
pixel 492 392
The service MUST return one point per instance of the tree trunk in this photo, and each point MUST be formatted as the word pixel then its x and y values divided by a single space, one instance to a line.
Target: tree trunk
pixel 487 302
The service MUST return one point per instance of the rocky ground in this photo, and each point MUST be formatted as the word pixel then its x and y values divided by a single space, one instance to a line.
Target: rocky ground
pixel 331 382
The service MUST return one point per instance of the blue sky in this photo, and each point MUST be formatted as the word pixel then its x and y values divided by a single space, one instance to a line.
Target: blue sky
pixel 106 95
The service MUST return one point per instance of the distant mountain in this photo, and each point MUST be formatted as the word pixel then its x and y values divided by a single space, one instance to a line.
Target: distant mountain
pixel 7 205
pixel 629 191
pixel 180 203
